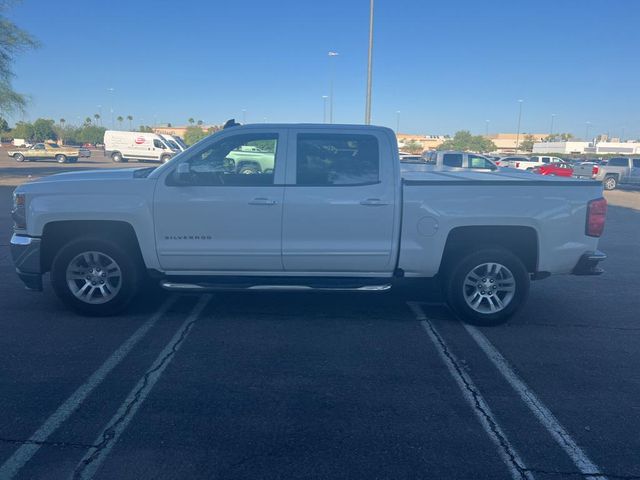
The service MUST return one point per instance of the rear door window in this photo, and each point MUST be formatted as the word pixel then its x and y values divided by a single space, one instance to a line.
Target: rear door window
pixel 330 159
pixel 619 162
pixel 452 159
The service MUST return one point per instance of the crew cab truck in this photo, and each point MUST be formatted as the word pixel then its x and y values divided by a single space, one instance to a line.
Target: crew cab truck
pixel 334 213
pixel 619 170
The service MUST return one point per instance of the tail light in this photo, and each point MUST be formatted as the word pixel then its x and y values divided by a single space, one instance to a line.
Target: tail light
pixel 595 170
pixel 517 164
pixel 596 215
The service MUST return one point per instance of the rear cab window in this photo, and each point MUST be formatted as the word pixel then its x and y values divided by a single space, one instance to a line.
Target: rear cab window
pixel 619 162
pixel 337 159
pixel 452 159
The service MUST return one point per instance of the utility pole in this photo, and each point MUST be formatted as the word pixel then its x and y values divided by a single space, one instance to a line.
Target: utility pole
pixel 324 108
pixel 486 128
pixel 331 69
pixel 518 132
pixel 367 110
pixel 586 135
pixel 553 116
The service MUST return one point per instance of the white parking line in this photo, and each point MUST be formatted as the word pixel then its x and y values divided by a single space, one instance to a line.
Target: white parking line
pixel 95 456
pixel 541 412
pixel 23 454
pixel 474 398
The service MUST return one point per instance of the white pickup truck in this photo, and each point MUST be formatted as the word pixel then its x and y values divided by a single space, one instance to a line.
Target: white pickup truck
pixel 334 213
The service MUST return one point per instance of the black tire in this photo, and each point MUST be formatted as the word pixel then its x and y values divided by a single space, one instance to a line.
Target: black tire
pixel 117 157
pixel 610 182
pixel 61 158
pixel 18 157
pixel 73 159
pixel 457 291
pixel 248 169
pixel 165 158
pixel 129 280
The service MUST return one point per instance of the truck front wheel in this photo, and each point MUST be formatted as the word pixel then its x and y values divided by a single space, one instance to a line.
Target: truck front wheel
pixel 487 287
pixel 95 276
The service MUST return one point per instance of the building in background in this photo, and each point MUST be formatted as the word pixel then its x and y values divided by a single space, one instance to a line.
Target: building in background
pixel 615 148
pixel 506 142
pixel 561 147
pixel 181 130
pixel 427 142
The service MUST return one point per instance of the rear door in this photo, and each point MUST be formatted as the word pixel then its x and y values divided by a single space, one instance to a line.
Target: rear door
pixel 340 206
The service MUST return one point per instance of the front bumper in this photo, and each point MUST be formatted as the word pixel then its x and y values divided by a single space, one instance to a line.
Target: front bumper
pixel 25 252
pixel 588 264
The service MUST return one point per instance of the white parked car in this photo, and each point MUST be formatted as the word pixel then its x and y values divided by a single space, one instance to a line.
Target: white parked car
pixel 174 142
pixel 333 213
pixel 529 163
pixel 449 159
pixel 125 146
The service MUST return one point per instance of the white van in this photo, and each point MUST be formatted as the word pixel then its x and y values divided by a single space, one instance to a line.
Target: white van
pixel 125 146
pixel 173 142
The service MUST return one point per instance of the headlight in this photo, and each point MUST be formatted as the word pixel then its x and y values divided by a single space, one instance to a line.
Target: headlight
pixel 18 212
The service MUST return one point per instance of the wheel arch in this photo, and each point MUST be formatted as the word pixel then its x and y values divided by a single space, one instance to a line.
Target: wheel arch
pixel 58 233
pixel 522 241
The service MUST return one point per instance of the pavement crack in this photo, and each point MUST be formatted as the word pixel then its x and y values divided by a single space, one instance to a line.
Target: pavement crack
pixel 110 432
pixel 17 441
pixel 504 444
pixel 582 475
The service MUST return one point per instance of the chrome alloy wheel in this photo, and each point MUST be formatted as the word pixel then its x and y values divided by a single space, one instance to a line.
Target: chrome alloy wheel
pixel 489 288
pixel 94 277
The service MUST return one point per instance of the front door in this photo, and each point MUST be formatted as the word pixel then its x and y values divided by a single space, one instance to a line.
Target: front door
pixel 211 216
pixel 340 206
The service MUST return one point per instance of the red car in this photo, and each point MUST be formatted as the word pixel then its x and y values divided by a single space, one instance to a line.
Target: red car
pixel 559 169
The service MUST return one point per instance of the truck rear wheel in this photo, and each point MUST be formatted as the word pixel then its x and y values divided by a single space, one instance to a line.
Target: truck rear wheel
pixel 95 276
pixel 117 157
pixel 18 157
pixel 610 182
pixel 61 159
pixel 487 287
pixel 165 158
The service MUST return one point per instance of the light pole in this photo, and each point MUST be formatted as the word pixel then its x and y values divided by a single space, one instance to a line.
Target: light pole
pixel 486 127
pixel 553 116
pixel 244 116
pixel 324 108
pixel 586 134
pixel 518 132
pixel 331 69
pixel 111 90
pixel 397 122
pixel 100 113
pixel 367 110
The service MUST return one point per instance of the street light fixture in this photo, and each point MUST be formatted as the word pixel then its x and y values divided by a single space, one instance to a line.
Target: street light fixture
pixel 553 116
pixel 111 90
pixel 486 127
pixel 244 116
pixel 586 135
pixel 331 69
pixel 519 118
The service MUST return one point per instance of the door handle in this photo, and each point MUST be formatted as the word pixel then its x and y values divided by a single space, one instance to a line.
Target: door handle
pixel 262 201
pixel 373 202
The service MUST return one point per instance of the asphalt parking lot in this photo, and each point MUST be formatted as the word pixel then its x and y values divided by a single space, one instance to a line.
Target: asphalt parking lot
pixel 324 386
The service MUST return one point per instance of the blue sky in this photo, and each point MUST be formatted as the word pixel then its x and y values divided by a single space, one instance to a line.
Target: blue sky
pixel 444 65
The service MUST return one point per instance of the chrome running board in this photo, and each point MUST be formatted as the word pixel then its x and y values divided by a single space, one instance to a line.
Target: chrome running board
pixel 212 287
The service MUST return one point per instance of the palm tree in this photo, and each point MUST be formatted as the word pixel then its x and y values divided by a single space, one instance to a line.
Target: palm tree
pixel 87 120
pixel 130 118
pixel 120 119
pixel 62 120
pixel 200 122
pixel 191 121
pixel 97 117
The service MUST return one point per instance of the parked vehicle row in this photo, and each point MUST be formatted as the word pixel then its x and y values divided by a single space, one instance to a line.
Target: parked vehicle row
pixel 618 171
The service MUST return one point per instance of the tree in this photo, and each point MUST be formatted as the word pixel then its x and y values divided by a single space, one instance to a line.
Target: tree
pixel 87 121
pixel 145 128
pixel 43 130
pixel 22 130
pixel 463 140
pixel 566 137
pixel 130 118
pixel 13 41
pixel 62 121
pixel 194 134
pixel 191 120
pixel 527 143
pixel 200 122
pixel 169 125
pixel 90 134
pixel 413 147
pixel 120 119
pixel 97 117
pixel 4 126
